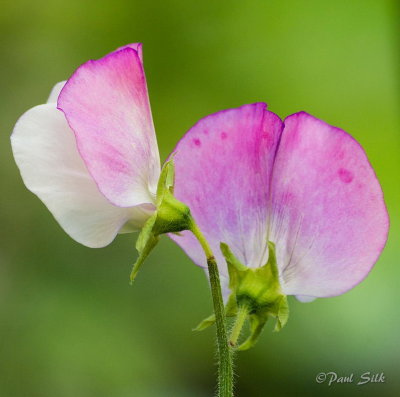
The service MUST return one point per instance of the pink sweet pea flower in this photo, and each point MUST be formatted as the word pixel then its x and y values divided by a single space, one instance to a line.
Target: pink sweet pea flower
pixel 304 185
pixel 90 153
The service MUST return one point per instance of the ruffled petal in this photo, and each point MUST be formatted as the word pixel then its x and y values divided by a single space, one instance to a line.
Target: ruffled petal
pixel 45 151
pixel 222 172
pixel 328 217
pixel 106 105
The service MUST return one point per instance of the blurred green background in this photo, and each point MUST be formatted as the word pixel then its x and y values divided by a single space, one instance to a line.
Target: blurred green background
pixel 70 324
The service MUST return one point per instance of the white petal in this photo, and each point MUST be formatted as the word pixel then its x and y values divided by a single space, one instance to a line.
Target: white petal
pixel 45 151
pixel 55 92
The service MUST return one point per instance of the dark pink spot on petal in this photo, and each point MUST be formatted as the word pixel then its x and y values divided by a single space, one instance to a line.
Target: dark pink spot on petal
pixel 345 176
pixel 197 141
pixel 224 135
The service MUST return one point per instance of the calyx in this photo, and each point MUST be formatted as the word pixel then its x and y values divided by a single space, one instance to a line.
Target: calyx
pixel 256 291
pixel 171 216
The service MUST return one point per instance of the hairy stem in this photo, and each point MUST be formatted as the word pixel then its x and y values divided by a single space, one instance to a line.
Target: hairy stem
pixel 225 370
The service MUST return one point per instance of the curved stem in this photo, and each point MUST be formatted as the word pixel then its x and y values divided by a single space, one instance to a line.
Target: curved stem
pixel 239 322
pixel 225 370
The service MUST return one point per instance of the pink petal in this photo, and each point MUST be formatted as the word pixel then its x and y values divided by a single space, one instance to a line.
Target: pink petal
pixel 106 105
pixel 138 47
pixel 223 168
pixel 323 209
pixel 329 220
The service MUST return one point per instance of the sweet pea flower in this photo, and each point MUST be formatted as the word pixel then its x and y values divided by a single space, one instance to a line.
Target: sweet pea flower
pixel 90 153
pixel 300 190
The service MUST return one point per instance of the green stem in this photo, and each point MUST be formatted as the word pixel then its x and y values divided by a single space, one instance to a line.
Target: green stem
pixel 241 316
pixel 225 370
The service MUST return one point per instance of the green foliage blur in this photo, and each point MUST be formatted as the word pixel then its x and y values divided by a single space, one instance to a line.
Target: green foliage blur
pixel 70 323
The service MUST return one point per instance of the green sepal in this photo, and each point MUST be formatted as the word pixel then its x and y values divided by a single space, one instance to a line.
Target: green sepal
pixel 207 322
pixel 145 242
pixel 230 311
pixel 234 266
pixel 171 216
pixel 259 290
pixel 282 315
pixel 166 181
pixel 257 323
